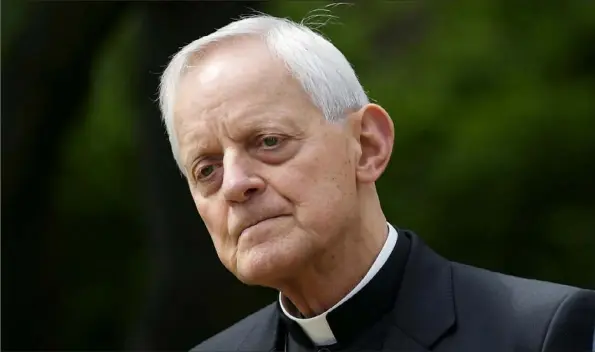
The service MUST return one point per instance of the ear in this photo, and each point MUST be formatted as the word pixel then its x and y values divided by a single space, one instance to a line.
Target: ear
pixel 376 140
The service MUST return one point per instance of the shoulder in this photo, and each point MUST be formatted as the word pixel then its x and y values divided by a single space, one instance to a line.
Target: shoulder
pixel 520 291
pixel 232 338
pixel 545 314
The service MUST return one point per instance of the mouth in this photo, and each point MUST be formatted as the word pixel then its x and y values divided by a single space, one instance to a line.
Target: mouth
pixel 260 221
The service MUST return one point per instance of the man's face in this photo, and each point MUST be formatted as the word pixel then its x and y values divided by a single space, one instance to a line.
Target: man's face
pixel 273 181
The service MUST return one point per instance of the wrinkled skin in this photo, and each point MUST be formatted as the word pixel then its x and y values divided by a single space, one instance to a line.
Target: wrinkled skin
pixel 286 196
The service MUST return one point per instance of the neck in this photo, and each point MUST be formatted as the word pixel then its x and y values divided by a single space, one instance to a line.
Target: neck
pixel 336 271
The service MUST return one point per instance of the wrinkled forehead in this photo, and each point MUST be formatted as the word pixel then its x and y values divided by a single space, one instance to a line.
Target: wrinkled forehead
pixel 235 86
pixel 241 70
pixel 227 69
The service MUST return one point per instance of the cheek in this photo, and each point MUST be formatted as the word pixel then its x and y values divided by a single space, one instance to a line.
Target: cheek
pixel 322 190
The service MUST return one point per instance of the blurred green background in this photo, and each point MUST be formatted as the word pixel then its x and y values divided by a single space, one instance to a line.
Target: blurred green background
pixel 493 165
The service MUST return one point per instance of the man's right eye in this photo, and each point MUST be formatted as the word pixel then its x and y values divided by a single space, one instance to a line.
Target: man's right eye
pixel 205 171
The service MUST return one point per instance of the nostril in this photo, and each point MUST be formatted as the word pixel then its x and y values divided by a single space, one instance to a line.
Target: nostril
pixel 250 191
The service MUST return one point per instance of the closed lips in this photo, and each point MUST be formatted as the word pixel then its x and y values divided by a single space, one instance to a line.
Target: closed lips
pixel 259 221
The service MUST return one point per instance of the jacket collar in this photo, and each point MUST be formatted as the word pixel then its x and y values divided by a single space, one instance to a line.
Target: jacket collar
pixel 425 306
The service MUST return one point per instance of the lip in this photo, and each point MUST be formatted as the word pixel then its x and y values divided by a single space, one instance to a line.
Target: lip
pixel 260 221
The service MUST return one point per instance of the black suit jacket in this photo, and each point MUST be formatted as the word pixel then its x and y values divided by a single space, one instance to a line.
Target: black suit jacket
pixel 445 306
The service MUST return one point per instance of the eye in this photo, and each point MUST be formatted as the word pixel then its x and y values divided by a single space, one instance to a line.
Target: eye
pixel 270 141
pixel 207 170
pixel 202 173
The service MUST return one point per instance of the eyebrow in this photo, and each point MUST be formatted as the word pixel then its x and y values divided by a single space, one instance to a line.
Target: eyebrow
pixel 196 147
pixel 252 124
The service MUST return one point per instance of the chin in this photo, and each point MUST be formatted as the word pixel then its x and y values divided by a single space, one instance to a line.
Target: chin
pixel 267 264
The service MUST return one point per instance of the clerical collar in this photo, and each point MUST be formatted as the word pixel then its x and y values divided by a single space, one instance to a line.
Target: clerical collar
pixel 329 327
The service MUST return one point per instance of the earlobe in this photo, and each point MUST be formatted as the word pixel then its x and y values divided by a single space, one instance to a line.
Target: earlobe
pixel 376 140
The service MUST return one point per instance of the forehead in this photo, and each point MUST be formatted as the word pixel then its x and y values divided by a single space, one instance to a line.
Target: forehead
pixel 237 85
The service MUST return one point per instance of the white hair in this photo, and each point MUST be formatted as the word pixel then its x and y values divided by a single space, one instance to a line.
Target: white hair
pixel 321 69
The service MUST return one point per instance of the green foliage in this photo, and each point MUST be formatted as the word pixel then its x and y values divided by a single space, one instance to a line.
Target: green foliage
pixel 493 104
pixel 98 212
pixel 13 13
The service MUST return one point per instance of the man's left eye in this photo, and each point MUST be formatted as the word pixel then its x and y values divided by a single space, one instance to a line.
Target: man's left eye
pixel 270 141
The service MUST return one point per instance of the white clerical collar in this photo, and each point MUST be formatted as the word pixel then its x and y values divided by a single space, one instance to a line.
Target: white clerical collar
pixel 318 328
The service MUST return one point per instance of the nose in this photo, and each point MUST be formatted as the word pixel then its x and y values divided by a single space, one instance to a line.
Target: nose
pixel 239 181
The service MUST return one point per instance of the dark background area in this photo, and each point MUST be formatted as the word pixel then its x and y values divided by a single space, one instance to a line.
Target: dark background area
pixel 102 248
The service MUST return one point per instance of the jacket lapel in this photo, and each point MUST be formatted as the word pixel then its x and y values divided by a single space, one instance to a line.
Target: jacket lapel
pixel 424 310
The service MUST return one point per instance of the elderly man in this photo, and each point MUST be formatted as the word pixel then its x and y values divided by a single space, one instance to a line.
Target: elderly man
pixel 281 149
